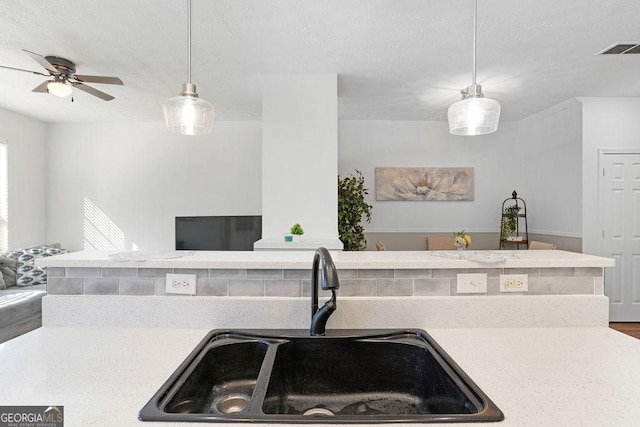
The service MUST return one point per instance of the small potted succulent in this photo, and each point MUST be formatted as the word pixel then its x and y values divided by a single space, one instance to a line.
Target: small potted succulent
pixel 296 232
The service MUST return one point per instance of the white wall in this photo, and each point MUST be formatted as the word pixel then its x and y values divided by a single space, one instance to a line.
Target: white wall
pixel 136 177
pixel 608 123
pixel 552 147
pixel 26 141
pixel 120 185
pixel 496 159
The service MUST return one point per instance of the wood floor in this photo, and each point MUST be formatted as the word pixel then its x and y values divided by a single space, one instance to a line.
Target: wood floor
pixel 630 328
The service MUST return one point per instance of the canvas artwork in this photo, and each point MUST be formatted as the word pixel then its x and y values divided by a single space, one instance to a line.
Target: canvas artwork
pixel 424 184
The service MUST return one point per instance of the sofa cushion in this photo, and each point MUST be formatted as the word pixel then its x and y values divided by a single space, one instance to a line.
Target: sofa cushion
pixel 28 271
pixel 20 310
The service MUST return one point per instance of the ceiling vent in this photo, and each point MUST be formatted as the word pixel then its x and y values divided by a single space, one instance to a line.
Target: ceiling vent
pixel 621 49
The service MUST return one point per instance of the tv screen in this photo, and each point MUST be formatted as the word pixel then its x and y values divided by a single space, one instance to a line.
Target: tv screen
pixel 217 233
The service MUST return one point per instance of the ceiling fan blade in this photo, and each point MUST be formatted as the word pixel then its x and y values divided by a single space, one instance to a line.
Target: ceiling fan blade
pixel 42 61
pixel 92 91
pixel 98 79
pixel 22 69
pixel 42 87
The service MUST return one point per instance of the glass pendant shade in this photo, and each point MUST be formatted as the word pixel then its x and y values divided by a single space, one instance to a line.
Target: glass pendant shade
pixel 59 88
pixel 186 114
pixel 474 116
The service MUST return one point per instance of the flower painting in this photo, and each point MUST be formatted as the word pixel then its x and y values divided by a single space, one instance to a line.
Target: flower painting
pixel 424 184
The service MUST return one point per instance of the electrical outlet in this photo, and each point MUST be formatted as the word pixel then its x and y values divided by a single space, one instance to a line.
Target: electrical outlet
pixel 181 284
pixel 514 283
pixel 472 283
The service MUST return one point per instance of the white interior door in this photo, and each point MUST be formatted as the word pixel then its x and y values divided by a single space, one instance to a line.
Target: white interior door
pixel 620 218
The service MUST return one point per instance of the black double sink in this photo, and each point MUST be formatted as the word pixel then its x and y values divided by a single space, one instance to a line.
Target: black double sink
pixel 347 376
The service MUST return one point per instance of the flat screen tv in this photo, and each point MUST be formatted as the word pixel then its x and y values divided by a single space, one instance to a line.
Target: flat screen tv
pixel 217 233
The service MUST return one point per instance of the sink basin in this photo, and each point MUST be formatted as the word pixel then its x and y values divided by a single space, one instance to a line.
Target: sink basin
pixel 285 376
pixel 220 371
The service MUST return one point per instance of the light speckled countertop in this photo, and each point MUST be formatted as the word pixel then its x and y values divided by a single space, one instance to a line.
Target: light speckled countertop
pixel 536 376
pixel 346 260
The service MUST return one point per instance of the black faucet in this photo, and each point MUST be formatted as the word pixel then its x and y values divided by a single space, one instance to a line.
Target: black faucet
pixel 325 271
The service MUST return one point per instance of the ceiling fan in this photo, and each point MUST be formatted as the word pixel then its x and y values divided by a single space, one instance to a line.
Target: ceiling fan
pixel 65 78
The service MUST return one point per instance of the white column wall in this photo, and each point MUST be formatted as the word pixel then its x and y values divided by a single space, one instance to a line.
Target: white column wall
pixel 300 156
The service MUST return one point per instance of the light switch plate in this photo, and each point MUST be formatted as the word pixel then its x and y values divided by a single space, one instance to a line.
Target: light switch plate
pixel 184 284
pixel 472 283
pixel 514 283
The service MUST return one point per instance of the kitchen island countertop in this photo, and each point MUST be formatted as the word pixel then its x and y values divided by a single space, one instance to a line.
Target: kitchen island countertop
pixel 536 376
pixel 343 260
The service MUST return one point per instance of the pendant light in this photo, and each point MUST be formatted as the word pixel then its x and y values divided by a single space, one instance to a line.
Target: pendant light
pixel 474 114
pixel 187 114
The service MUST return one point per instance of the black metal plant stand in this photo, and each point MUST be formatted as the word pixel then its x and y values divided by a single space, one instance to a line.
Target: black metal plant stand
pixel 514 231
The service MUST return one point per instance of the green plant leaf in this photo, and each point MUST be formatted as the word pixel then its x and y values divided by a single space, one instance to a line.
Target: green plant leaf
pixel 352 208
pixel 297 229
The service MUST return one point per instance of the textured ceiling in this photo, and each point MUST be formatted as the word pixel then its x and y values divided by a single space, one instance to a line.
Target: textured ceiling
pixel 396 59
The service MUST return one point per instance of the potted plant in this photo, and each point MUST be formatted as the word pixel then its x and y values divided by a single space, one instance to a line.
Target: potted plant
pixel 296 232
pixel 509 224
pixel 352 208
pixel 462 240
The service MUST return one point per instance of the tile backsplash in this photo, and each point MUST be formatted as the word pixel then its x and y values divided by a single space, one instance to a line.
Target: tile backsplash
pixel 296 283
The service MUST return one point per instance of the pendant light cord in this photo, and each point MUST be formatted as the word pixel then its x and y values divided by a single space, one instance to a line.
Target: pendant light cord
pixel 189 41
pixel 475 30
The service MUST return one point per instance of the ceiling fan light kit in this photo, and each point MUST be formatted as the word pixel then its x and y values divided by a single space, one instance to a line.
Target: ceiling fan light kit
pixel 59 87
pixel 187 114
pixel 474 114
